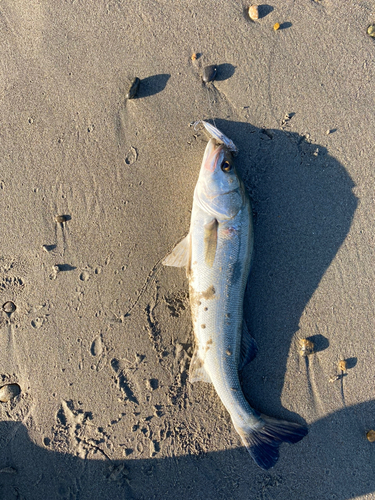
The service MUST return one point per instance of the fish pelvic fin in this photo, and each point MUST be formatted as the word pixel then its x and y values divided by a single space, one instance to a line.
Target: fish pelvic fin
pixel 263 443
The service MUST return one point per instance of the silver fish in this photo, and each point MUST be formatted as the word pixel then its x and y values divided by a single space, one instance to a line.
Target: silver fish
pixel 217 254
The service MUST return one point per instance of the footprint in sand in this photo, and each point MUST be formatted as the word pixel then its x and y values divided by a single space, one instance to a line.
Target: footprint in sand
pixel 124 381
pixel 99 351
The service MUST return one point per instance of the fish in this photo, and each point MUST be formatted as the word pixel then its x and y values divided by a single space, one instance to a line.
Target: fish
pixel 217 254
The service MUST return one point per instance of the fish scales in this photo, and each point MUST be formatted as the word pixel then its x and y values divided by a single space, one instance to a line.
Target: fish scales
pixel 222 312
pixel 217 255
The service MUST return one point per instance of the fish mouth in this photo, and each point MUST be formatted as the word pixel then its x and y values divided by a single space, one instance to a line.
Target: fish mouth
pixel 211 154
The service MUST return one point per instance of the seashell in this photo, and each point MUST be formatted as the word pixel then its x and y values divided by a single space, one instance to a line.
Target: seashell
pixel 371 30
pixel 60 218
pixel 342 365
pixel 371 436
pixel 209 73
pixel 276 26
pixel 8 392
pixel 194 57
pixel 306 347
pixel 9 307
pixel 133 89
pixel 253 12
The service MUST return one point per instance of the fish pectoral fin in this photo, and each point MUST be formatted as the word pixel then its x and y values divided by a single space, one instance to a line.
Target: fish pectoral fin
pixel 210 242
pixel 197 371
pixel 180 255
pixel 249 347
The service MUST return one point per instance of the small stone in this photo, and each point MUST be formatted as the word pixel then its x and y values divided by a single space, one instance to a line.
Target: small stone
pixel 342 365
pixel 209 73
pixel 276 26
pixel 9 307
pixel 133 89
pixel 194 57
pixel 371 436
pixel 306 347
pixel 8 392
pixel 60 218
pixel 371 30
pixel 253 12
pixel 328 131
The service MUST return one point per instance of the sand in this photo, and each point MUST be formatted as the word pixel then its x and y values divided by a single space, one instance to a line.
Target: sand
pixel 101 338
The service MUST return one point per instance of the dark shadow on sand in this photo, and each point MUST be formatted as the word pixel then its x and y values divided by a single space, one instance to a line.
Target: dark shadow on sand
pixel 225 71
pixel 32 472
pixel 152 85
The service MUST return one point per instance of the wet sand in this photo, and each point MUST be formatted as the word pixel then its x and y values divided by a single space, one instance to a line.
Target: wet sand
pixel 101 338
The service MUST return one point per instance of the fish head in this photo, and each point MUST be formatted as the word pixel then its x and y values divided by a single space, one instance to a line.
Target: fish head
pixel 219 190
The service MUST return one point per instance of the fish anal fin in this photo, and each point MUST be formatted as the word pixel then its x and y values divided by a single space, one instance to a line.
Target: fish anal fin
pixel 249 347
pixel 197 371
pixel 180 255
pixel 210 242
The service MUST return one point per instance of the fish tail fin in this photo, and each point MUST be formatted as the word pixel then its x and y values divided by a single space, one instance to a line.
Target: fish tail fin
pixel 263 443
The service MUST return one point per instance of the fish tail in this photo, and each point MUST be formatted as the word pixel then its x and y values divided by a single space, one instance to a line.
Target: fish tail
pixel 263 443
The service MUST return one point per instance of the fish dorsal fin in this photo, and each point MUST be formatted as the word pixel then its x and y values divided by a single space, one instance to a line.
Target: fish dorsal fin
pixel 180 255
pixel 249 347
pixel 197 371
pixel 210 242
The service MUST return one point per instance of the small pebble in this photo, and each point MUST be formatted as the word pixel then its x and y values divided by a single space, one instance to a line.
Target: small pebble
pixel 133 89
pixel 9 307
pixel 306 347
pixel 276 26
pixel 209 73
pixel 371 436
pixel 253 12
pixel 60 218
pixel 371 30
pixel 194 57
pixel 8 392
pixel 342 365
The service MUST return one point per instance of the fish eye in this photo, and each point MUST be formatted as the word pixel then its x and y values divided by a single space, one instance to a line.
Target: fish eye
pixel 226 166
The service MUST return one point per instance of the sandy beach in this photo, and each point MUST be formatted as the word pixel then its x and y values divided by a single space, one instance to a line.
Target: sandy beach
pixel 100 340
